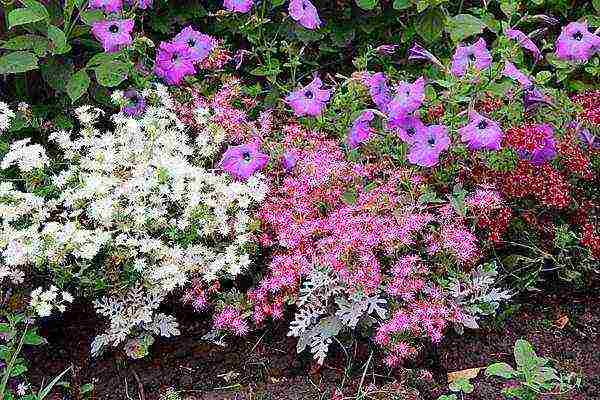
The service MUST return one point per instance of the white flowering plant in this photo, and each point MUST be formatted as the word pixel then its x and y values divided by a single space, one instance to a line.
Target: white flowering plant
pixel 135 212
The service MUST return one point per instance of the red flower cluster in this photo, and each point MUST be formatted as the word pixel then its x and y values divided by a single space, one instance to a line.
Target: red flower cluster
pixel 574 159
pixel 590 102
pixel 591 239
pixel 529 137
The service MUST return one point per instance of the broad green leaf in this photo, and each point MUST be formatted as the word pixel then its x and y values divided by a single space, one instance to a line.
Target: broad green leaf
pixel 596 4
pixel 112 73
pixel 462 26
pixel 401 4
pixel 18 62
pixel 34 12
pixel 23 42
pixel 78 85
pixel 431 24
pixel 277 3
pixel 500 369
pixel 56 71
pixel 461 385
pixel 91 16
pixel 524 353
pixel 18 370
pixel 366 4
pixel 59 40
pixel 102 58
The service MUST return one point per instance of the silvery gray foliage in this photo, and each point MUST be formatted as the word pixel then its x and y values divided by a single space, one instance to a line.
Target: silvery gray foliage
pixel 317 322
pixel 477 294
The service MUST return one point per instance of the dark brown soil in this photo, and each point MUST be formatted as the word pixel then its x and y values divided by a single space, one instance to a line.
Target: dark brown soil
pixel 265 366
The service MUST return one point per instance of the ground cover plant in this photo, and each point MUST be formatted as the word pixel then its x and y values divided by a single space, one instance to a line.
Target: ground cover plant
pixel 389 173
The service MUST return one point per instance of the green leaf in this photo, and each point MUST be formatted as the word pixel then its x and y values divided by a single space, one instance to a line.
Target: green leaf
pixel 500 369
pixel 4 328
pixel 112 73
pixel 277 3
pixel 461 385
pixel 22 42
pixel 18 62
pixel 367 4
pixel 56 71
pixel 350 197
pixel 78 85
pixel 524 354
pixel 401 4
pixel 34 12
pixel 462 26
pixel 59 40
pixel 508 7
pixel 596 4
pixel 91 16
pixel 447 397
pixel 431 24
pixel 18 370
pixel 33 339
pixel 46 390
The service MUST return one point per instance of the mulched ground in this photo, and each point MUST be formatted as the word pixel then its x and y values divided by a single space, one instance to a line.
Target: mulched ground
pixel 563 325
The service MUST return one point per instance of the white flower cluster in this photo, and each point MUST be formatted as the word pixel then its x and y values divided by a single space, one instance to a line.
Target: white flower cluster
pixel 137 204
pixel 6 115
pixel 25 156
pixel 43 302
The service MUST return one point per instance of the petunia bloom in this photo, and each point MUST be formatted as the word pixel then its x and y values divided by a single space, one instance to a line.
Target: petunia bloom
pixel 409 97
pixel 243 160
pixel 545 149
pixel 589 139
pixel 576 43
pixel 417 52
pixel 361 130
pixel 523 40
pixel 428 144
pixel 481 133
pixel 113 34
pixel 241 6
pixel 305 13
pixel 407 126
pixel 511 71
pixel 309 100
pixel 380 93
pixel 174 62
pixel 476 55
pixel 533 97
pixel 110 6
pixel 200 44
pixel 136 103
pixel 288 161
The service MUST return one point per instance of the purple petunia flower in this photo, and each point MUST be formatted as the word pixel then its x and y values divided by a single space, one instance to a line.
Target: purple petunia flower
pixel 533 97
pixel 173 62
pixel 428 144
pixel 309 100
pixel 407 126
pixel 481 133
pixel 241 6
pixel 200 44
pixel 476 54
pixel 417 52
pixel 136 104
pixel 511 71
pixel 589 139
pixel 523 40
pixel 546 153
pixel 109 6
pixel 305 13
pixel 380 93
pixel 361 130
pixel 113 35
pixel 576 43
pixel 409 97
pixel 288 161
pixel 244 160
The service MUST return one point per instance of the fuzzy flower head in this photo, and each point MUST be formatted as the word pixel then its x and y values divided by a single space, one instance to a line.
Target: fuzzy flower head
pixel 511 71
pixel 174 62
pixel 476 55
pixel 409 97
pixel 407 126
pixel 309 100
pixel 380 93
pixel 576 43
pixel 361 130
pixel 136 104
pixel 428 144
pixel 113 34
pixel 523 40
pixel 241 6
pixel 109 6
pixel 199 44
pixel 244 160
pixel 305 13
pixel 481 133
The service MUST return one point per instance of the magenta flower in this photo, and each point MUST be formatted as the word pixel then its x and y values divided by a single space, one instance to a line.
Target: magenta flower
pixel 305 13
pixel 173 62
pixel 244 160
pixel 576 43
pixel 476 55
pixel 511 71
pixel 109 6
pixel 200 44
pixel 361 130
pixel 135 103
pixel 309 100
pixel 407 126
pixel 544 153
pixel 428 144
pixel 113 35
pixel 409 97
pixel 481 133
pixel 380 93
pixel 288 161
pixel 523 40
pixel 241 6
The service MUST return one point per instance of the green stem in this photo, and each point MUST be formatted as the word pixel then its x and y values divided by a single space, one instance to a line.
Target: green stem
pixel 10 364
